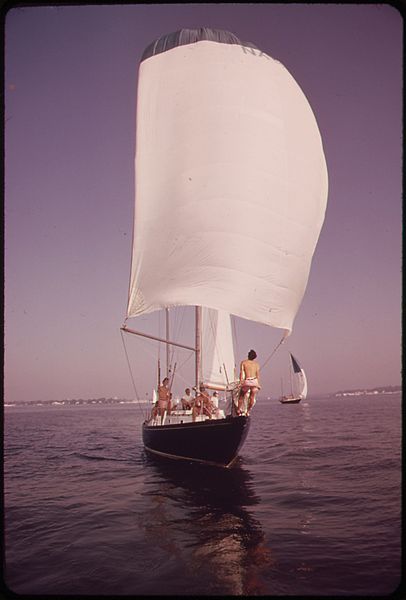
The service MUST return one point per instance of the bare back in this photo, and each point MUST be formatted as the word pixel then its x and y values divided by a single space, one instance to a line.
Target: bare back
pixel 249 368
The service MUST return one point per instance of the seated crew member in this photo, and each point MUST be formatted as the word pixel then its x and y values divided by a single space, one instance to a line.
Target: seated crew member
pixel 215 404
pixel 215 399
pixel 202 404
pixel 249 380
pixel 187 400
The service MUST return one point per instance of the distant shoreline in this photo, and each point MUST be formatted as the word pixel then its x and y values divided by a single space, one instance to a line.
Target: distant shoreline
pixel 389 390
pixel 80 402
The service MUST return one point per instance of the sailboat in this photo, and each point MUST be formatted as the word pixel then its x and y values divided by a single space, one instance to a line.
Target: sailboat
pixel 230 195
pixel 298 382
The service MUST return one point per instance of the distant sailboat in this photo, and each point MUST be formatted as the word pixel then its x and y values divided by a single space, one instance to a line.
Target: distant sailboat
pixel 298 384
pixel 230 196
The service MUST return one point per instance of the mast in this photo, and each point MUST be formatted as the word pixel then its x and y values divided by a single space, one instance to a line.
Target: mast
pixel 167 338
pixel 291 382
pixel 198 330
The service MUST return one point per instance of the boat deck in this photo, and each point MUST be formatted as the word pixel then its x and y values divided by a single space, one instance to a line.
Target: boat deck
pixel 178 417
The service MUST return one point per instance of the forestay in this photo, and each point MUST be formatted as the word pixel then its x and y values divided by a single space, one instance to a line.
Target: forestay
pixel 231 182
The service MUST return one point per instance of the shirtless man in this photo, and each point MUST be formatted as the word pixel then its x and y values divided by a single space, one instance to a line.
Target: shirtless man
pixel 164 402
pixel 202 404
pixel 249 379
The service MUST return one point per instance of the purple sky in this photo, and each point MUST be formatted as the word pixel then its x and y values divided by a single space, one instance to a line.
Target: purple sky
pixel 70 82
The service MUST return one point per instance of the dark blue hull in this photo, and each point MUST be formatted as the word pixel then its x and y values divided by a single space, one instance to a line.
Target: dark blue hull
pixel 214 442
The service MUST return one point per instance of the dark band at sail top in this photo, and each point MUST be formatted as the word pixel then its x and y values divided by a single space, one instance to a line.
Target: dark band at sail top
pixel 182 37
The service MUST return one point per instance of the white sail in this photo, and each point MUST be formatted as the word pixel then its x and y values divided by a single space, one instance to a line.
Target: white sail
pixel 217 361
pixel 303 393
pixel 300 378
pixel 231 184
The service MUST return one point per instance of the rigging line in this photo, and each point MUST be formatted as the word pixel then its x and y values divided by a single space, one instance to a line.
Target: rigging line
pixel 171 353
pixel 225 371
pixel 172 349
pixel 233 324
pixel 171 326
pixel 234 345
pixel 273 351
pixel 181 326
pixel 215 338
pixel 147 347
pixel 178 322
pixel 180 376
pixel 182 312
pixel 159 335
pixel 131 374
pixel 185 361
pixel 175 321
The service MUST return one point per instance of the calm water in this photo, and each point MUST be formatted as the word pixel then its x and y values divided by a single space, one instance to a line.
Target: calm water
pixel 312 506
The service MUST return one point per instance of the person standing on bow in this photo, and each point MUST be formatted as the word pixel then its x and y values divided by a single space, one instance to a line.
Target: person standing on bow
pixel 249 381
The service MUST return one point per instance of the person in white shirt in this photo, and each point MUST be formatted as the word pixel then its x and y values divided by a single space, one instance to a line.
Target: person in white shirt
pixel 187 400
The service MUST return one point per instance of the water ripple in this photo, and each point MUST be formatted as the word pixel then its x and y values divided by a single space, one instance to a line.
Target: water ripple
pixel 312 506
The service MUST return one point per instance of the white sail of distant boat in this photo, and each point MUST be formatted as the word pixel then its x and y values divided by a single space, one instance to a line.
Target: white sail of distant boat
pixel 230 195
pixel 154 396
pixel 298 383
pixel 300 377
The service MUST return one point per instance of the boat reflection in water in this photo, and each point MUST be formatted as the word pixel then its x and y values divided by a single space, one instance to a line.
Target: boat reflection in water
pixel 220 540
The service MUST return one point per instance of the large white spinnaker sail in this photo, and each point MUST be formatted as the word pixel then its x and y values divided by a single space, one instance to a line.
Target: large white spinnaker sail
pixel 231 181
pixel 217 361
pixel 300 378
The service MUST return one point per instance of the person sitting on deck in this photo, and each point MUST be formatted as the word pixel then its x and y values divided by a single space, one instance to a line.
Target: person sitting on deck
pixel 215 399
pixel 215 404
pixel 249 380
pixel 202 404
pixel 187 400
